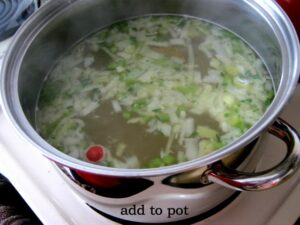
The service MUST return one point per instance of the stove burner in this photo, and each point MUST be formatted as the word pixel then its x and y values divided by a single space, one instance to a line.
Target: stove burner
pixel 12 14
pixel 7 9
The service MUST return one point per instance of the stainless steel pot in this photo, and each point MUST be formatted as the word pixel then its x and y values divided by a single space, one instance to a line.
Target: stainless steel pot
pixel 60 24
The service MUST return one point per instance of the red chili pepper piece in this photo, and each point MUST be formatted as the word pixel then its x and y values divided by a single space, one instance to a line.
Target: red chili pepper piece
pixel 95 153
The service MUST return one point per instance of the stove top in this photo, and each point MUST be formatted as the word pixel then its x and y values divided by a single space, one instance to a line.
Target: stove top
pixel 54 202
pixel 12 14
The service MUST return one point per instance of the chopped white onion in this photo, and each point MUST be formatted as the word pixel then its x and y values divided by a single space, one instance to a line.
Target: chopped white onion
pixel 116 106
pixel 191 148
pixel 88 61
pixel 90 108
pixel 191 57
pixel 189 126
pixel 155 88
pixel 177 41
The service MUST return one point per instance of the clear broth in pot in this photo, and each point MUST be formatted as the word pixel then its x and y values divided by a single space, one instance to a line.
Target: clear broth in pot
pixel 153 91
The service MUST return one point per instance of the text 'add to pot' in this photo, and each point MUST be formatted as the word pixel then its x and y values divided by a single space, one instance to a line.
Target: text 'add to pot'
pixel 141 210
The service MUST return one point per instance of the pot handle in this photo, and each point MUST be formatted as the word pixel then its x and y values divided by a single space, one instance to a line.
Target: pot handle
pixel 243 181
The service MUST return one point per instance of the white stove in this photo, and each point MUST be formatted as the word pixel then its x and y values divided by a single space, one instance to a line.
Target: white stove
pixel 54 202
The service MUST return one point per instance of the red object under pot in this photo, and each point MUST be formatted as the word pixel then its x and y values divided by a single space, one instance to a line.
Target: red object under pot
pixel 292 8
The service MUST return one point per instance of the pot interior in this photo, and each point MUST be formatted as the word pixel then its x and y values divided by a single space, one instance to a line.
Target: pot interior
pixel 82 18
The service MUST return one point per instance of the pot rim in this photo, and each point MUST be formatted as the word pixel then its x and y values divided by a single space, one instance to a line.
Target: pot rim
pixel 16 54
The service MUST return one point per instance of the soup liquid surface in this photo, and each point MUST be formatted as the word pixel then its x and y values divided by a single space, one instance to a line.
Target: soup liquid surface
pixel 153 91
